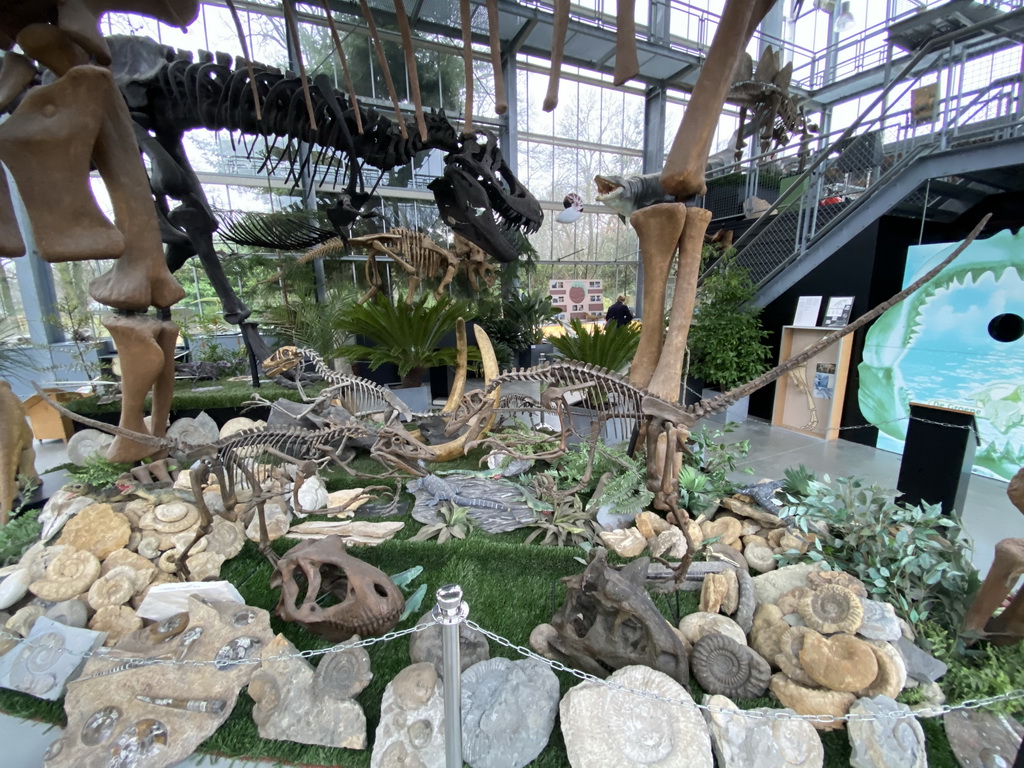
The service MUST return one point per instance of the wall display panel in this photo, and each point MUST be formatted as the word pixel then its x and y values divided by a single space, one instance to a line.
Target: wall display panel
pixel 956 343
pixel 810 398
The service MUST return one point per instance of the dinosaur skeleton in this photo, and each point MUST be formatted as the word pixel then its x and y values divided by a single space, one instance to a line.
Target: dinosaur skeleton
pixel 418 255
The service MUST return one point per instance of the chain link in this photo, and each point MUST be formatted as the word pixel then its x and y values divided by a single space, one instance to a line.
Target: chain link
pixel 929 712
pixel 134 662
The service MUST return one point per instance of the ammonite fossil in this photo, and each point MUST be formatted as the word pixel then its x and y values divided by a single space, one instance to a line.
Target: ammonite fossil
pixel 721 665
pixel 831 608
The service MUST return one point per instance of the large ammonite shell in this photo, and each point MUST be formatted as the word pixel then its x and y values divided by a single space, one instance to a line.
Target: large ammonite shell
pixel 721 665
pixel 831 608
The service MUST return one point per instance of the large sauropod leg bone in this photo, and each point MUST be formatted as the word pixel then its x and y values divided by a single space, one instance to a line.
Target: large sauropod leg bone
pixel 163 387
pixel 15 75
pixel 11 244
pixel 683 175
pixel 669 372
pixel 142 363
pixel 140 278
pixel 500 99
pixel 47 144
pixel 658 228
pixel 626 65
pixel 561 27
pixel 1006 569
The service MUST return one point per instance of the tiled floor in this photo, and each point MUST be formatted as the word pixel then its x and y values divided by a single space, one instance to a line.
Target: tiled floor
pixel 988 517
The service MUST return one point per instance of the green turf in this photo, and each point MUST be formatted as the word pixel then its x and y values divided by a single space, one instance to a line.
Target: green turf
pixel 198 396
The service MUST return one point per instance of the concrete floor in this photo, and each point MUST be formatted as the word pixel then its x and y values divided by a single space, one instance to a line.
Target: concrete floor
pixel 988 517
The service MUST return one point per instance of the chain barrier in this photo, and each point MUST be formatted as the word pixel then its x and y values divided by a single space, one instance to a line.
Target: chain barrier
pixel 928 712
pixel 134 662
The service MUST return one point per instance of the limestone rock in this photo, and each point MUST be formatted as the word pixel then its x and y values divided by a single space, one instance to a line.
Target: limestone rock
pixel 202 430
pixel 68 575
pixel 60 508
pixel 411 729
pixel 87 443
pixel 144 569
pixel 166 709
pixel 840 578
pixel 760 558
pixel 807 701
pixel 713 592
pixel 884 741
pixel 97 529
pixel 743 509
pixel 278 520
pixel 727 529
pixel 42 665
pixel 695 625
pixel 115 587
pixel 70 613
pixel 921 665
pixel 609 728
pixel 312 496
pixel 540 640
pixel 226 537
pixel 832 608
pixel 183 482
pixel 766 634
pixel 788 658
pixel 793 541
pixel 290 706
pixel 425 646
pixel 839 663
pixel 755 540
pixel 652 525
pixel 14 587
pixel 38 557
pixel 508 712
pixel 790 602
pixel 670 543
pixel 350 498
pixel 353 532
pixel 721 665
pixel 769 587
pixel 892 672
pixel 979 738
pixel 880 622
pixel 746 603
pixel 205 566
pixel 117 621
pixel 24 619
pixel 236 425
pixel 731 599
pixel 625 542
pixel 748 742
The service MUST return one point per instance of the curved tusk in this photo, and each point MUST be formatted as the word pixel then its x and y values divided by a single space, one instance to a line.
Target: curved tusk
pixel 462 363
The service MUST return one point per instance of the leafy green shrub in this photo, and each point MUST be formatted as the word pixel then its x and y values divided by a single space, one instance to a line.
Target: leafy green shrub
pixel 611 347
pixel 23 528
pixel 704 476
pixel 911 556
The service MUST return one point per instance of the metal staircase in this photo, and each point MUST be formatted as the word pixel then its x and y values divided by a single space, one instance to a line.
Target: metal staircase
pixel 889 160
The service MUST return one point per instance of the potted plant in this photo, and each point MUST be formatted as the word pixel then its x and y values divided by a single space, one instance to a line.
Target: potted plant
pixel 609 346
pixel 515 325
pixel 726 339
pixel 405 335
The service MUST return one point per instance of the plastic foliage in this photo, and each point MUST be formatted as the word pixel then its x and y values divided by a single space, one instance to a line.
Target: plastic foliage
pixel 404 581
pixel 455 523
pixel 704 476
pixel 612 347
pixel 23 528
pixel 914 557
pixel 568 524
pixel 98 472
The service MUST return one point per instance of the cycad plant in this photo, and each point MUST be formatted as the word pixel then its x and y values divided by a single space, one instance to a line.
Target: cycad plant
pixel 611 346
pixel 306 322
pixel 404 334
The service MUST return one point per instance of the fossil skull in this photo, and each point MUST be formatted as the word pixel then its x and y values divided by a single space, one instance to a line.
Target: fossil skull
pixel 368 602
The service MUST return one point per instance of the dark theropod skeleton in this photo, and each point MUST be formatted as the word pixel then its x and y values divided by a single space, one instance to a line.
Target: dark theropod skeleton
pixel 168 93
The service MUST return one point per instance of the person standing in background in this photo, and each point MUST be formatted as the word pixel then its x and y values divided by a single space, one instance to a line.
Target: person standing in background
pixel 619 312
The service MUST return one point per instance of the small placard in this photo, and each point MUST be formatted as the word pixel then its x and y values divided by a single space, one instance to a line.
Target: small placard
pixel 807 308
pixel 837 313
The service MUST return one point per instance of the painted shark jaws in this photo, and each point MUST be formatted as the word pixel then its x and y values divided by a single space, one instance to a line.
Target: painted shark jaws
pixel 625 194
pixel 883 394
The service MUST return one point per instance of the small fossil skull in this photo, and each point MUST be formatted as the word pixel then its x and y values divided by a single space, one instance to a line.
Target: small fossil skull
pixel 367 603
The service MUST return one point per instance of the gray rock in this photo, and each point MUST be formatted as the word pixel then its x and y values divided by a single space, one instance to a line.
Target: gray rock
pixel 921 665
pixel 411 729
pixel 608 727
pixel 981 739
pixel 86 443
pixel 287 413
pixel 426 646
pixel 202 430
pixel 880 622
pixel 607 517
pixel 744 615
pixel 508 712
pixel 699 623
pixel 14 587
pixel 748 742
pixel 70 613
pixel 769 587
pixel 885 741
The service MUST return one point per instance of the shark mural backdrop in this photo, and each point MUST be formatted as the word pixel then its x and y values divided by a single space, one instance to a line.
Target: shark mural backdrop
pixel 955 343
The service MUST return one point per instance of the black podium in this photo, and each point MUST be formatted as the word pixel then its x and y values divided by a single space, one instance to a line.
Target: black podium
pixel 937 457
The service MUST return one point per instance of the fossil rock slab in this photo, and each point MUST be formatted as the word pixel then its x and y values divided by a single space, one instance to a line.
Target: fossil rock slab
pixel 293 705
pixel 839 663
pixel 358 532
pixel 769 587
pixel 808 701
pixel 71 613
pixel 161 712
pixel 880 622
pixel 921 665
pixel 885 742
pixel 698 624
pixel 978 738
pixel 201 430
pixel 625 542
pixel 165 600
pixel 610 728
pixel 608 621
pixel 97 529
pixel 86 444
pixel 60 508
pixel 721 665
pixel 41 664
pixel 425 646
pixel 747 742
pixel 508 712
pixel 411 729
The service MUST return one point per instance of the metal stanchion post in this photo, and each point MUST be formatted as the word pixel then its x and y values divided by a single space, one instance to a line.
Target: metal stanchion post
pixel 450 612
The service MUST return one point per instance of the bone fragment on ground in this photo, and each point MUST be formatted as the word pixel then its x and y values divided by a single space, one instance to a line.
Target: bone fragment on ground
pixel 658 229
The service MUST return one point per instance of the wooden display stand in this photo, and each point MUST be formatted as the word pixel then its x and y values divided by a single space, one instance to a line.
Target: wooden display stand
pixel 809 400
pixel 47 423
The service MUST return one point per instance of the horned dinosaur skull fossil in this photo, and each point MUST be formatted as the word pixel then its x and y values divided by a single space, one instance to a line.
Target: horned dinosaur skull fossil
pixel 479 194
pixel 369 603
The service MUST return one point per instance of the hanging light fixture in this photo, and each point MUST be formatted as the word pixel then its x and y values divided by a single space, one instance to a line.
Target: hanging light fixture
pixel 845 20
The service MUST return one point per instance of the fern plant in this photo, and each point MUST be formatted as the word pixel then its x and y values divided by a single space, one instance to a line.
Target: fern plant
pixel 98 472
pixel 404 334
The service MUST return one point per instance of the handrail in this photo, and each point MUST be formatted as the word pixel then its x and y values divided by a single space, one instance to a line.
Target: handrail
pixel 823 154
